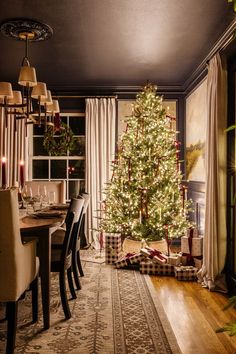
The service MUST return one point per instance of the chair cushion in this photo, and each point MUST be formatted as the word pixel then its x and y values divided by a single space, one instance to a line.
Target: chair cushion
pixel 58 237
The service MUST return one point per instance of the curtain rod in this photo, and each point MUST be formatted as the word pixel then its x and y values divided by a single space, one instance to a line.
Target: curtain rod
pixel 76 96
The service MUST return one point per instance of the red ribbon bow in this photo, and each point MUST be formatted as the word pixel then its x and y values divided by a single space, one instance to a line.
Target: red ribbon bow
pixel 128 255
pixel 157 253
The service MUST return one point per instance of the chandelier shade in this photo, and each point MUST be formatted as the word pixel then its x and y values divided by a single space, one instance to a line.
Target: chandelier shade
pixel 27 76
pixel 6 90
pixel 39 91
pixel 54 107
pixel 16 99
pixel 46 100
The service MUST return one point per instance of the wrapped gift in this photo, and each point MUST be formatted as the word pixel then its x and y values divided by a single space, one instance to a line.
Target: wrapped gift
pixel 136 258
pixel 112 248
pixel 129 259
pixel 184 259
pixel 149 267
pixel 174 259
pixel 186 273
pixel 155 255
pixel 192 232
pixel 192 245
pixel 198 262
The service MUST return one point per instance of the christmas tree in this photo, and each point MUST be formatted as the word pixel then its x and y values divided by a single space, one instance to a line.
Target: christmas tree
pixel 145 198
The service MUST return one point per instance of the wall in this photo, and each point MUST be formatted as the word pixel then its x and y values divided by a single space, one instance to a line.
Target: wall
pixel 195 137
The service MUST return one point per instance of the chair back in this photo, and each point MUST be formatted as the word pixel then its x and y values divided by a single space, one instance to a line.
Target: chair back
pixel 73 218
pixel 17 267
pixel 52 186
pixel 86 197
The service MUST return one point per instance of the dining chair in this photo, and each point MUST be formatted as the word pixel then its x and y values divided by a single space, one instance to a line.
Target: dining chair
pixel 83 239
pixel 81 242
pixel 62 251
pixel 51 186
pixel 19 265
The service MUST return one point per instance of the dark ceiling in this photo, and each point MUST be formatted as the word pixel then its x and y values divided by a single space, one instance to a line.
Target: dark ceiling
pixel 112 43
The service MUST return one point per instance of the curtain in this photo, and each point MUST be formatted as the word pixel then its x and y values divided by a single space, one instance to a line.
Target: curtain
pixel 13 147
pixel 214 249
pixel 100 150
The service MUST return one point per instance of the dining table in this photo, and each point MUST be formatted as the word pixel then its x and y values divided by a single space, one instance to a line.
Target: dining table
pixel 41 229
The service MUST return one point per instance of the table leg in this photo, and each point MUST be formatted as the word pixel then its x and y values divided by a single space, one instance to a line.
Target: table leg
pixel 44 252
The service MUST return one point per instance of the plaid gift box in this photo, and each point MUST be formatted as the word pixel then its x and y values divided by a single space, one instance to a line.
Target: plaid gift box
pixel 129 259
pixel 186 273
pixel 197 245
pixel 136 258
pixel 155 255
pixel 122 262
pixel 174 259
pixel 112 248
pixel 149 267
pixel 198 262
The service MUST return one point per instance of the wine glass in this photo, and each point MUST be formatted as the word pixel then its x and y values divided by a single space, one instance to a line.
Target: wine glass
pixel 27 197
pixel 42 192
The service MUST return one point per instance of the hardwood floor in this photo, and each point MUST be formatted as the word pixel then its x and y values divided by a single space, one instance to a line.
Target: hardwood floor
pixel 194 314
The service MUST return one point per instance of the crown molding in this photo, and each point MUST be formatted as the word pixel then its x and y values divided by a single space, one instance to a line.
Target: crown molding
pixel 201 71
pixel 119 91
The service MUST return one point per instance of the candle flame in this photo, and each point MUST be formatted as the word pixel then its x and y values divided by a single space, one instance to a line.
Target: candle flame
pixel 22 163
pixel 4 159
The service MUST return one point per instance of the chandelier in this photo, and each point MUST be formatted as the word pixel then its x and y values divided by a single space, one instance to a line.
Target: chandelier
pixel 34 101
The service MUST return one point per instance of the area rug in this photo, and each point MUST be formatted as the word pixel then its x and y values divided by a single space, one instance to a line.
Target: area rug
pixel 114 313
pixel 92 255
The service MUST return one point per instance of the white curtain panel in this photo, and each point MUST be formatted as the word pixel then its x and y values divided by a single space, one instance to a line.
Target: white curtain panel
pixel 214 251
pixel 13 146
pixel 100 151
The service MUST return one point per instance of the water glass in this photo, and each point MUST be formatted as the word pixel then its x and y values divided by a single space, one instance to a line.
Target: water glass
pixel 52 197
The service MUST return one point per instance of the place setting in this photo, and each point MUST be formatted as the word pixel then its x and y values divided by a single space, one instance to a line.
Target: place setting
pixel 40 205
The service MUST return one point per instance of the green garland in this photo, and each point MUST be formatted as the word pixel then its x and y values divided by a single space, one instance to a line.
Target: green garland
pixel 58 145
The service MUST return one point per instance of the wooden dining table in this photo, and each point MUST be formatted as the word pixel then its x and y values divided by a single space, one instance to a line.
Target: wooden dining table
pixel 41 229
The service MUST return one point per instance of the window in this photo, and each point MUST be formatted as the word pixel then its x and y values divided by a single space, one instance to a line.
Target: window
pixel 70 167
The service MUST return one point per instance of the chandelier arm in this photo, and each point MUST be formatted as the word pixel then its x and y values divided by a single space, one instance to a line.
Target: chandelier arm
pixel 15 105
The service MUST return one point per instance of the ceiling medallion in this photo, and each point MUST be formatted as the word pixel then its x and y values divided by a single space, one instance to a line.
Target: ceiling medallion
pixel 19 28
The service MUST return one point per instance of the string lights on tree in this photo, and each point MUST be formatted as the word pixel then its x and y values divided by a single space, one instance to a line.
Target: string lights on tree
pixel 146 198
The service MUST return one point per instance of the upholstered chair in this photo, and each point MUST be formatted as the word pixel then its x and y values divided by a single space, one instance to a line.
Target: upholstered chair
pixel 52 186
pixel 18 264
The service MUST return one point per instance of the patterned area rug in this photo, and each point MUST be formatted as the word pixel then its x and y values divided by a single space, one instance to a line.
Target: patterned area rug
pixel 113 313
pixel 92 255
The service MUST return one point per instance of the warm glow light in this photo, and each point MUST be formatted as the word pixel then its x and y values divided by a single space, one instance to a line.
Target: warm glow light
pixel 4 160
pixel 22 163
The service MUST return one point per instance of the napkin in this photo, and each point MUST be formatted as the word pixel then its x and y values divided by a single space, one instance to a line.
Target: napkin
pixel 59 206
pixel 47 214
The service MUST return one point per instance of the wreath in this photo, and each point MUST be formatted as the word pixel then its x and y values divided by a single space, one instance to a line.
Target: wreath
pixel 58 143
